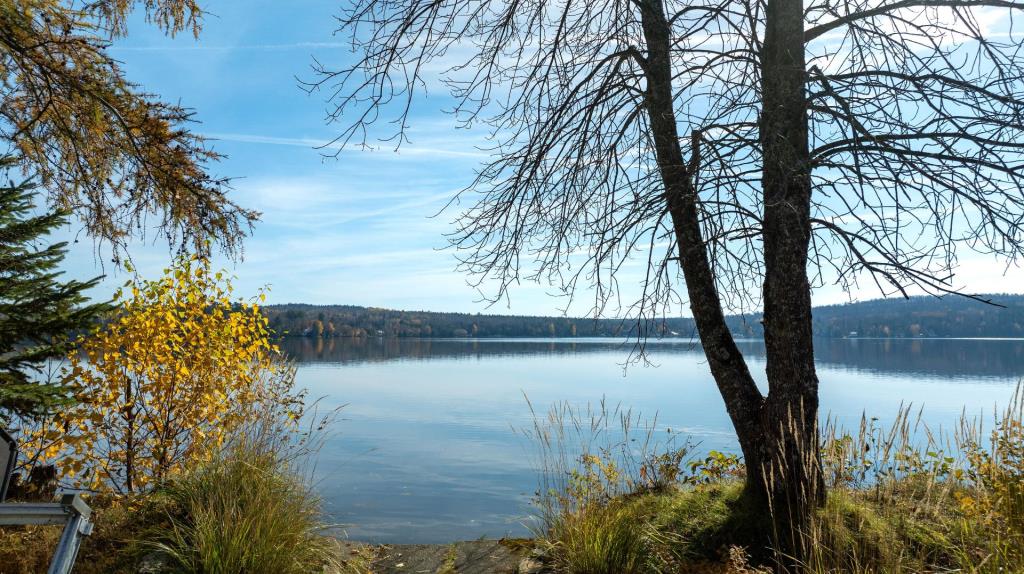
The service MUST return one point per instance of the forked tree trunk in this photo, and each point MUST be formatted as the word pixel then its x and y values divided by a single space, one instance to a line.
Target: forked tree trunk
pixel 778 433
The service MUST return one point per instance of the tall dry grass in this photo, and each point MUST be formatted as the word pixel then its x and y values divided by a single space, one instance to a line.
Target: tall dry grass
pixel 246 511
pixel 252 508
pixel 592 461
pixel 902 497
pixel 905 497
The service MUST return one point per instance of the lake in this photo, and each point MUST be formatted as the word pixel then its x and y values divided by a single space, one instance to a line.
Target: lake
pixel 424 450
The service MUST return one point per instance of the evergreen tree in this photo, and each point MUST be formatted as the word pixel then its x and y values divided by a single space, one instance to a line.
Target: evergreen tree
pixel 39 313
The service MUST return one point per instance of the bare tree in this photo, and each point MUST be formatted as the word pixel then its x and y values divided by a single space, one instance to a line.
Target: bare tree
pixel 748 149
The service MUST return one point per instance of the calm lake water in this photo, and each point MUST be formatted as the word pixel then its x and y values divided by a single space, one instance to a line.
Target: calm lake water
pixel 424 450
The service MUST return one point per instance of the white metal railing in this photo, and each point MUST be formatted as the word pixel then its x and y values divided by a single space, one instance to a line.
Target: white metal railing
pixel 71 511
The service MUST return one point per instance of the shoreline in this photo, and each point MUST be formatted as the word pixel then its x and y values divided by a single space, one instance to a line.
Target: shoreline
pixel 484 556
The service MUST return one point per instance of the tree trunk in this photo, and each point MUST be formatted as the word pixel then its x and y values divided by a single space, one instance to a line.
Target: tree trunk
pixel 778 433
pixel 790 469
pixel 743 400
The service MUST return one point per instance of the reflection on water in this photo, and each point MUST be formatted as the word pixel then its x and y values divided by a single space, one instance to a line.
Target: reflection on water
pixel 426 453
pixel 950 358
pixel 945 357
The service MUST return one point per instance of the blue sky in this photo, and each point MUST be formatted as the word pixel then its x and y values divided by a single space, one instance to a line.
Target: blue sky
pixel 352 230
pixel 356 229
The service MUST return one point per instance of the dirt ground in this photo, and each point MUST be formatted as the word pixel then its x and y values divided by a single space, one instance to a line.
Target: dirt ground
pixel 471 557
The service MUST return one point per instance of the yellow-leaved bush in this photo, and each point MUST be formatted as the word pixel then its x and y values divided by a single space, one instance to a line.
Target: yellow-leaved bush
pixel 166 382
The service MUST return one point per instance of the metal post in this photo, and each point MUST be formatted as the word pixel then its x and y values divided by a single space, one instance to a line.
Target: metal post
pixel 8 458
pixel 79 525
pixel 71 511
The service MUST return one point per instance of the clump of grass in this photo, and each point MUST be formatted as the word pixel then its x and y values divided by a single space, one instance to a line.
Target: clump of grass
pixel 594 465
pixel 599 453
pixel 601 539
pixel 450 558
pixel 246 511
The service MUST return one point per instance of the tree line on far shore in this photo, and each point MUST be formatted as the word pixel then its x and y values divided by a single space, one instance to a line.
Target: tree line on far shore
pixel 897 318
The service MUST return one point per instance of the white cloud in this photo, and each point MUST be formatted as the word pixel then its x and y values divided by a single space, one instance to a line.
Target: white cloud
pixel 440 148
pixel 200 47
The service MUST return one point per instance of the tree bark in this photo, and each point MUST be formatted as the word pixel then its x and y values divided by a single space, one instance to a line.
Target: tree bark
pixel 743 400
pixel 790 467
pixel 778 433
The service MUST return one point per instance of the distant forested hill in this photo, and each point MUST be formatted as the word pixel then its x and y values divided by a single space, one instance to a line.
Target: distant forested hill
pixel 915 317
pixel 924 317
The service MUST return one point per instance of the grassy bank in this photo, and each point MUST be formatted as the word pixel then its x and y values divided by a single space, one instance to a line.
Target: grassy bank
pixel 902 498
pixel 246 511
